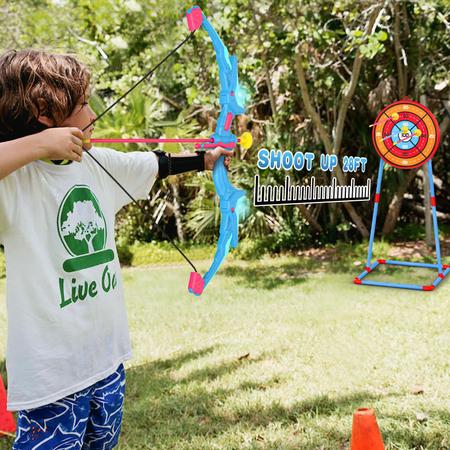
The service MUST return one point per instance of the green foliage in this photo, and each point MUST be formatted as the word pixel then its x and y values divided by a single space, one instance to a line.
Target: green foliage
pixel 141 254
pixel 374 45
pixel 292 234
pixel 121 40
pixel 124 253
pixel 348 257
pixel 132 224
pixel 409 232
pixel 251 249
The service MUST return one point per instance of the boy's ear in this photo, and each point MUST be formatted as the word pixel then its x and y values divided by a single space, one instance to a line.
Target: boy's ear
pixel 42 118
pixel 46 121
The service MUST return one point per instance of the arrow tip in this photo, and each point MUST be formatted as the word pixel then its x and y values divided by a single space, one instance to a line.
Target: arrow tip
pixel 246 140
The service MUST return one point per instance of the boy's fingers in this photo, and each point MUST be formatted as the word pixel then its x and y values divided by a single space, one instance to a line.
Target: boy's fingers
pixel 77 132
pixel 86 145
pixel 224 151
pixel 77 149
pixel 77 141
pixel 76 153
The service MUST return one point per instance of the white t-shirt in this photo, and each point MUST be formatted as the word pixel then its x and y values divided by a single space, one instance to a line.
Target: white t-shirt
pixel 67 324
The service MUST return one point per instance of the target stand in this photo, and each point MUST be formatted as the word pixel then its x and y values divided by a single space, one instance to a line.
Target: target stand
pixel 406 136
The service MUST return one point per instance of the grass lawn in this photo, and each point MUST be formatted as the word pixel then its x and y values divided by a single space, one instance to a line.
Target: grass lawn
pixel 278 354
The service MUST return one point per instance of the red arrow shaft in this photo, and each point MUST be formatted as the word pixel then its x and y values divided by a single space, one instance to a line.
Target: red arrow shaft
pixel 152 140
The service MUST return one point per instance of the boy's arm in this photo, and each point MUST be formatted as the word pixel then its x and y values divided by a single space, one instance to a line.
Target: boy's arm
pixel 137 171
pixel 53 143
pixel 170 164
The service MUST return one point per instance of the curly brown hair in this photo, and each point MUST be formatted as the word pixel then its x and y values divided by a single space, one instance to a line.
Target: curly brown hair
pixel 36 83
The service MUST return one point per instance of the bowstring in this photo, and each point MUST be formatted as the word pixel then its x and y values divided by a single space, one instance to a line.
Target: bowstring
pixel 109 108
pixel 147 75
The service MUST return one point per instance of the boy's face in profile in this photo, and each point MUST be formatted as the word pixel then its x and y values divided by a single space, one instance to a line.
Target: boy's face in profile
pixel 81 116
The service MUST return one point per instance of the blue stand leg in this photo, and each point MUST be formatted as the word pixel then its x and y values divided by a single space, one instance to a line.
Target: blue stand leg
pixel 375 212
pixel 434 214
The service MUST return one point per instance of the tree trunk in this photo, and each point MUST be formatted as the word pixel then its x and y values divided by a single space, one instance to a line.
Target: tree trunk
pixel 400 55
pixel 90 245
pixel 273 105
pixel 333 143
pixel 329 145
pixel 310 218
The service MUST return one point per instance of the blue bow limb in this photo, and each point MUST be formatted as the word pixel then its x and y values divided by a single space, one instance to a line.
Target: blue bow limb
pixel 231 199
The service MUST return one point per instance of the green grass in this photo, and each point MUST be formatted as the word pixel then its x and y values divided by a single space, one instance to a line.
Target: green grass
pixel 278 354
pixel 162 253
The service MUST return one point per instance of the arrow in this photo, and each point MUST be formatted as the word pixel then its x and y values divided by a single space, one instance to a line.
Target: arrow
pixel 147 140
pixel 245 140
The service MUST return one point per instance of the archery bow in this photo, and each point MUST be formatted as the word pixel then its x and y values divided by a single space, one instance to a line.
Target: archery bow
pixel 232 200
pixel 231 103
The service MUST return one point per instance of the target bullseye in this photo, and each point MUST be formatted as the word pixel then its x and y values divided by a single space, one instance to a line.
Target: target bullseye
pixel 405 134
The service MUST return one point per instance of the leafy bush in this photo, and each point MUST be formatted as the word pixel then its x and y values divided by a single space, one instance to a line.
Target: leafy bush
pixel 251 249
pixel 125 254
pixel 349 256
pixel 154 252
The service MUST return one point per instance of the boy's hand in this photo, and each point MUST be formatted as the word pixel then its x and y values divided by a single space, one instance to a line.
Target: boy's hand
pixel 62 143
pixel 211 156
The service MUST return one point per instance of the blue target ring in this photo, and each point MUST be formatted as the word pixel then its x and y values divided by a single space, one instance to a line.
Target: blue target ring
pixel 405 141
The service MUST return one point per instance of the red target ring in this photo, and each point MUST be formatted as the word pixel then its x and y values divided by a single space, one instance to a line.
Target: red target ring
pixel 406 134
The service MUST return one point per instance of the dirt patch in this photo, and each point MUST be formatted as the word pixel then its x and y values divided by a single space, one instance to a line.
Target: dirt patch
pixel 398 250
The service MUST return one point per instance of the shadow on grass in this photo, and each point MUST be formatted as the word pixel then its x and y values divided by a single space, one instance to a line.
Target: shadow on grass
pixel 266 275
pixel 406 431
pixel 270 276
pixel 167 410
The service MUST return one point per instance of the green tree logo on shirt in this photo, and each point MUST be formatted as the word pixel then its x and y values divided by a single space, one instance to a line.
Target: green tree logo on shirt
pixel 82 229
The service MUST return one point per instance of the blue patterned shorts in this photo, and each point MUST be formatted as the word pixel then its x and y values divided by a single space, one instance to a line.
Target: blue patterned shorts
pixel 87 420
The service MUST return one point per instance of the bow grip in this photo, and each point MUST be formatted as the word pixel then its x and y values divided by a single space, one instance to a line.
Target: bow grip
pixel 194 17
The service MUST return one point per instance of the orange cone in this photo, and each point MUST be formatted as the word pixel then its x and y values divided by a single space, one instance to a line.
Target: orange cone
pixel 7 423
pixel 365 432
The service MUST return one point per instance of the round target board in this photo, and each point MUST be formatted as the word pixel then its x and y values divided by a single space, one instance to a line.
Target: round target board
pixel 406 134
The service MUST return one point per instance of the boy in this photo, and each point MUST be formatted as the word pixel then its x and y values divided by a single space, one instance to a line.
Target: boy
pixel 68 333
